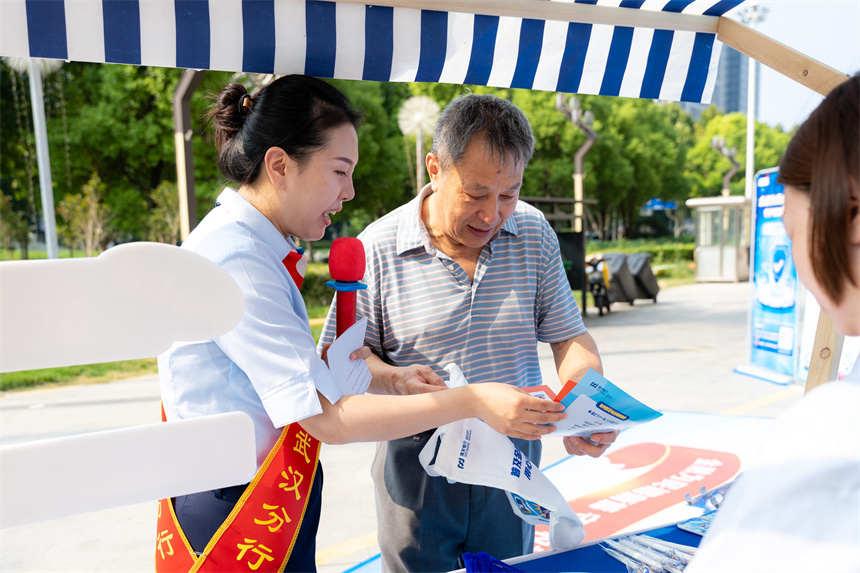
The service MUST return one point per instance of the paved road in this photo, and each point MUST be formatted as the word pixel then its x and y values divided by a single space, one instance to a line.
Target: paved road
pixel 677 354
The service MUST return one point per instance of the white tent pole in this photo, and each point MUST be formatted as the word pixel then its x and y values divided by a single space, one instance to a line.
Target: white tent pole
pixel 753 15
pixel 751 112
pixel 40 128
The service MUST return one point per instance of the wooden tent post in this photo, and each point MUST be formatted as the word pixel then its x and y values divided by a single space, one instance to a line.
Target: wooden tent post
pixel 561 11
pixel 818 77
pixel 826 351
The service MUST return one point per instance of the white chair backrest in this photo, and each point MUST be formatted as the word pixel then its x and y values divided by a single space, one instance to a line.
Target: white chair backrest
pixel 133 301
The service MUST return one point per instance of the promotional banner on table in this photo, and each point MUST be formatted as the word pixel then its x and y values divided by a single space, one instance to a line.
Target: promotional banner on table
pixel 643 480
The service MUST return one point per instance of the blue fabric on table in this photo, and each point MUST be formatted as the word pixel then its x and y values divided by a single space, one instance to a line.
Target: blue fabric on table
pixel 594 559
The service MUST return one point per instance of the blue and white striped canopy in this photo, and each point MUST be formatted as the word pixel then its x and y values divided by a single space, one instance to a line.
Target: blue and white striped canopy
pixel 632 56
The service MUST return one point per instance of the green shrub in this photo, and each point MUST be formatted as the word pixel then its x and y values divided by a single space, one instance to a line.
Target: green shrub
pixel 80 374
pixel 314 290
pixel 663 251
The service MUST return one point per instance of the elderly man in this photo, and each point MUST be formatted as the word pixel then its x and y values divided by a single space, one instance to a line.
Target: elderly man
pixel 464 273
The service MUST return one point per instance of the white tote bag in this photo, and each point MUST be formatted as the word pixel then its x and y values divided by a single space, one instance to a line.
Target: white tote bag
pixel 470 451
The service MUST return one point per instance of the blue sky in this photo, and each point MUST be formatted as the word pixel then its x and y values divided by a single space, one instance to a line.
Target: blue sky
pixel 826 30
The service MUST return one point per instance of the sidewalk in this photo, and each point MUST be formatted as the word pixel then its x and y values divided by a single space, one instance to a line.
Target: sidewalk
pixel 677 354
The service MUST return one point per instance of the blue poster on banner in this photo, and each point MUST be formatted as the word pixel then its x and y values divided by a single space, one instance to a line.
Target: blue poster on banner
pixel 773 316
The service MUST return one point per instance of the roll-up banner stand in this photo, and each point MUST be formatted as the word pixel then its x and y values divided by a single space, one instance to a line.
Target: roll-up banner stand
pixel 773 334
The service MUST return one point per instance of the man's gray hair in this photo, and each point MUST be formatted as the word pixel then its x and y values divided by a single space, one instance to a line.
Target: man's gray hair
pixel 506 131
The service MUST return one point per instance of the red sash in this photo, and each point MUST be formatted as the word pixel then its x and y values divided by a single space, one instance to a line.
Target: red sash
pixel 255 535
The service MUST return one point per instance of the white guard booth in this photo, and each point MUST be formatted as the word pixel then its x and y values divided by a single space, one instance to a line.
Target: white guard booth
pixel 722 238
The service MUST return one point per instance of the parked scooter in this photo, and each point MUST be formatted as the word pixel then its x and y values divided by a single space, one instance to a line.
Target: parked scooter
pixel 598 282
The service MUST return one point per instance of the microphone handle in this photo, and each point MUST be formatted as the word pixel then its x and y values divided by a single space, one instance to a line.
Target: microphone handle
pixel 345 316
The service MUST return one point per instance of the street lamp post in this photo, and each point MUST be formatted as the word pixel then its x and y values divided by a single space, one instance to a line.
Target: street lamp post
pixel 45 183
pixel 573 112
pixel 36 68
pixel 751 16
pixel 418 116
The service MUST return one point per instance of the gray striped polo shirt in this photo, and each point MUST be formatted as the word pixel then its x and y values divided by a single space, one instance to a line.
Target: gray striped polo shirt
pixel 422 308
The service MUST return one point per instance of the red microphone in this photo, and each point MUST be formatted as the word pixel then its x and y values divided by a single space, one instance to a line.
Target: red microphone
pixel 346 266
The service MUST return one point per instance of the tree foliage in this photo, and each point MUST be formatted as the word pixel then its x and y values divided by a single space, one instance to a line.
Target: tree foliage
pixel 17 148
pixel 114 124
pixel 122 129
pixel 14 228
pixel 382 178
pixel 163 220
pixel 705 167
pixel 639 154
pixel 86 218
pixel 112 120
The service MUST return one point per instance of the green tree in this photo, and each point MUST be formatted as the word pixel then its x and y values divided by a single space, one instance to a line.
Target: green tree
pixel 122 127
pixel 112 119
pixel 163 224
pixel 686 131
pixel 382 177
pixel 550 171
pixel 639 154
pixel 706 167
pixel 14 228
pixel 17 151
pixel 117 121
pixel 86 219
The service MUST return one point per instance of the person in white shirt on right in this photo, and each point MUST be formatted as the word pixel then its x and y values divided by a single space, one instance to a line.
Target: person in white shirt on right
pixel 797 506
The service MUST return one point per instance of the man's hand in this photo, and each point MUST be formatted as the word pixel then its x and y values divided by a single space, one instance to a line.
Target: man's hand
pixel 581 447
pixel 402 380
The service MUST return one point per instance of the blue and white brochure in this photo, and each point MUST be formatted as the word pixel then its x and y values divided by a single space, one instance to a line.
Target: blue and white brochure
pixel 595 405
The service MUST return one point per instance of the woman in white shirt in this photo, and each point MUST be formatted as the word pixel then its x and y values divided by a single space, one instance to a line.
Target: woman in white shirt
pixel 797 506
pixel 292 149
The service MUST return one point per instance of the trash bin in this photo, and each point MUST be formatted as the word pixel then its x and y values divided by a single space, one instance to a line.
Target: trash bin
pixel 646 282
pixel 622 286
pixel 572 247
